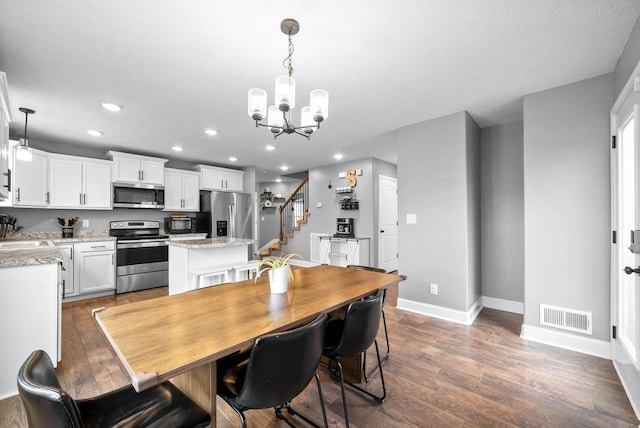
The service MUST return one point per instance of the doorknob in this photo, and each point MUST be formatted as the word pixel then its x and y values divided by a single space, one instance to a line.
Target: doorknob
pixel 382 231
pixel 629 270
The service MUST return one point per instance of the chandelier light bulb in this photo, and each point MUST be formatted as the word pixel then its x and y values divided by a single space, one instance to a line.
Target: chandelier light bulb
pixel 257 104
pixel 285 93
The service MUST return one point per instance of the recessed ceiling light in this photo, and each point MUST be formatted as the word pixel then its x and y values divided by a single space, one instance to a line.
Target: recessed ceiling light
pixel 338 156
pixel 278 180
pixel 270 148
pixel 111 107
pixel 284 167
pixel 177 148
pixel 211 132
pixel 233 158
pixel 94 132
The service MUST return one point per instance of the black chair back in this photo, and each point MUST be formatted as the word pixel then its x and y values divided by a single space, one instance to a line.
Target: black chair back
pixel 360 327
pixel 45 403
pixel 281 365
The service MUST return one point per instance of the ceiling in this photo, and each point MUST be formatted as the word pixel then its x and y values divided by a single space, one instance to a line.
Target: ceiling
pixel 178 67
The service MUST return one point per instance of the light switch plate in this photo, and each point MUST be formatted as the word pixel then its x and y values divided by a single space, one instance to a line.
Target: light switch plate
pixel 412 218
pixel 85 222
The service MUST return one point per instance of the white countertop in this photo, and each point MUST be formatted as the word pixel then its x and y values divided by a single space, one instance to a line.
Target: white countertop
pixel 211 242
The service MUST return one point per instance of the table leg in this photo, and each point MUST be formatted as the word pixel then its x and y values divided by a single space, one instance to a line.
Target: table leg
pixel 199 384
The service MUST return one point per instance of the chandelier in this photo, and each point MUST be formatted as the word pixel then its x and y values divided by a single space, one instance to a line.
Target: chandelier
pixel 279 115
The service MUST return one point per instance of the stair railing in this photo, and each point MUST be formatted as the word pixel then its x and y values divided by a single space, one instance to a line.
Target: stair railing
pixel 294 208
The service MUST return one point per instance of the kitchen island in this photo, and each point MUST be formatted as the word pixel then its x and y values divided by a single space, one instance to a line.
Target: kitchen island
pixel 187 258
pixel 30 306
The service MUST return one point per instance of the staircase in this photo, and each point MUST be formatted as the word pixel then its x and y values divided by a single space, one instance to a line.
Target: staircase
pixel 293 214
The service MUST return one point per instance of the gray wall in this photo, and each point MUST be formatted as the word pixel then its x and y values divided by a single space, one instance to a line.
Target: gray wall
pixel 433 182
pixel 472 142
pixel 502 212
pixel 269 218
pixel 567 200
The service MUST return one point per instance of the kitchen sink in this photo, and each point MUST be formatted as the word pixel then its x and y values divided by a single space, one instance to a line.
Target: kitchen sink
pixel 16 245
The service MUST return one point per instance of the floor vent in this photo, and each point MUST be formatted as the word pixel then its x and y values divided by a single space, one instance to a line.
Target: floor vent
pixel 566 319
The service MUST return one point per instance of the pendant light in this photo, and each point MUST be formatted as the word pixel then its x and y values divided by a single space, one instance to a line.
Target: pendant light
pixel 279 114
pixel 23 152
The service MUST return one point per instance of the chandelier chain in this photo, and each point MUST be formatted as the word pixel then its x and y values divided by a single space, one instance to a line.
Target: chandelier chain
pixel 288 58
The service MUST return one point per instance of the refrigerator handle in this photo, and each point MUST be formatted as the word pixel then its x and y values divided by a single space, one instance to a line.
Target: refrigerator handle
pixel 232 223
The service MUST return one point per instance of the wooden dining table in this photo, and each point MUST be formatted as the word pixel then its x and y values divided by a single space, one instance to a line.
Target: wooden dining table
pixel 181 337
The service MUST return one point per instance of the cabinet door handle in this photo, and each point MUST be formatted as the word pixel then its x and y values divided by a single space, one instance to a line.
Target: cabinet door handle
pixel 80 194
pixel 84 199
pixel 8 185
pixel 47 195
pixel 18 194
pixel 98 246
pixel 141 175
pixel 226 184
pixel 71 253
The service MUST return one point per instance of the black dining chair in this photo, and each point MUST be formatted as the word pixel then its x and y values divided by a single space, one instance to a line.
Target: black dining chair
pixel 385 358
pixel 46 404
pixel 276 369
pixel 352 336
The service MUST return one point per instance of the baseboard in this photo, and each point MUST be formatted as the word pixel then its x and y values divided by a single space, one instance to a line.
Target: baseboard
pixel 448 314
pixel 585 345
pixel 503 305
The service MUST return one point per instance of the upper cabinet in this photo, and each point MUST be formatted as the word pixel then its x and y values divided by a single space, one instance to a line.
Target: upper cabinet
pixel 31 180
pixel 76 182
pixel 6 117
pixel 181 190
pixel 214 178
pixel 132 168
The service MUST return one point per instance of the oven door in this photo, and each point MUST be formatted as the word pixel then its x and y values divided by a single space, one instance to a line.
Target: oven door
pixel 141 256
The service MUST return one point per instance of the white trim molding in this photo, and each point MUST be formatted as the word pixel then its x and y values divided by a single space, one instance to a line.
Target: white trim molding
pixel 448 314
pixel 572 342
pixel 503 305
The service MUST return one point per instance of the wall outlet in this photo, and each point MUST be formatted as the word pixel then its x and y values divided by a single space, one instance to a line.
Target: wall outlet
pixel 433 289
pixel 85 222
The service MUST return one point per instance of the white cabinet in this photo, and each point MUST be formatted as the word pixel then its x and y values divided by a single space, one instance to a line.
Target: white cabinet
pixel 94 266
pixel 181 190
pixel 76 182
pixel 6 117
pixel 214 178
pixel 68 285
pixel 344 251
pixel 31 180
pixel 132 168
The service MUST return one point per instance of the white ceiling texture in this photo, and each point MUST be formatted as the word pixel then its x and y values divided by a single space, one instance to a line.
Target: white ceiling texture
pixel 178 67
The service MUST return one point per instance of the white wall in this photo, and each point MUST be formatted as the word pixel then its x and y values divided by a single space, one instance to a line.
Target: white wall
pixel 567 200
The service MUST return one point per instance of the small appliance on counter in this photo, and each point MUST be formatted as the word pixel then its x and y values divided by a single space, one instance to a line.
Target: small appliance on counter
pixel 344 228
pixel 67 225
pixel 179 223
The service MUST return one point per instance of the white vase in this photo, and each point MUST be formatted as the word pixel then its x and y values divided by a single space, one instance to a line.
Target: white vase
pixel 279 279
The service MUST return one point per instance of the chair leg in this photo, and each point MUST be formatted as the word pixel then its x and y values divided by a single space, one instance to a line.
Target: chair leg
pixel 378 399
pixel 368 376
pixel 291 411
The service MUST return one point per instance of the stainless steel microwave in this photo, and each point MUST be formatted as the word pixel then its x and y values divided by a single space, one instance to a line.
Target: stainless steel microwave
pixel 138 195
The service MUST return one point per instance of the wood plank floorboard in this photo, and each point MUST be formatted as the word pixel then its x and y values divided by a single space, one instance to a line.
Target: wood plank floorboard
pixel 439 374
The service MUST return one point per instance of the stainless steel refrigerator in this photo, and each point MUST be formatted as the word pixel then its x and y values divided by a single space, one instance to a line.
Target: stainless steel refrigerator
pixel 226 214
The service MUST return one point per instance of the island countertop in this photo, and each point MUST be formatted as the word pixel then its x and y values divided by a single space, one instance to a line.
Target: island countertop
pixel 29 256
pixel 212 242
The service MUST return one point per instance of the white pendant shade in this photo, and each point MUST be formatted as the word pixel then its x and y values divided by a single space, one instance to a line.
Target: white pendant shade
pixel 285 93
pixel 257 103
pixel 23 153
pixel 275 118
pixel 319 104
pixel 306 120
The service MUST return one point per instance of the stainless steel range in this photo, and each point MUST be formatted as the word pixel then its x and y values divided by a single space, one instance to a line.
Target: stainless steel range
pixel 142 255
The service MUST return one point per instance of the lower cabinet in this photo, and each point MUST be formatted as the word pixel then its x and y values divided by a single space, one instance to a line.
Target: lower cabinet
pixel 89 268
pixel 344 251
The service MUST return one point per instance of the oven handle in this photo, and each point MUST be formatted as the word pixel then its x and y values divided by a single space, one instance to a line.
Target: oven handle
pixel 142 243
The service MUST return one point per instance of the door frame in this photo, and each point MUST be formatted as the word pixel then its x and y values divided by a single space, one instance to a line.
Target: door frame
pixel 379 225
pixel 631 388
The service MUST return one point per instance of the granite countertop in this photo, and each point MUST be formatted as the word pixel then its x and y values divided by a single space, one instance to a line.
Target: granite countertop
pixel 211 242
pixel 179 236
pixel 15 257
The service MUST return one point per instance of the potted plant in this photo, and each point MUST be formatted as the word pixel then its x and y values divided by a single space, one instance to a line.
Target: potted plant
pixel 279 272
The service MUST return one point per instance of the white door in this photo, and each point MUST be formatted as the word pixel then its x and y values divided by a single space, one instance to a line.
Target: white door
pixel 387 223
pixel 625 291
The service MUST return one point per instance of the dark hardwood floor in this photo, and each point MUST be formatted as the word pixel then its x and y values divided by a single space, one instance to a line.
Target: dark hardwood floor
pixel 440 374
